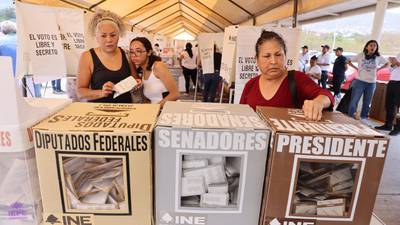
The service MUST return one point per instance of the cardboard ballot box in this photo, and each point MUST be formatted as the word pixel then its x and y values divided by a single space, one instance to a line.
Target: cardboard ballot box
pixel 209 164
pixel 94 164
pixel 324 172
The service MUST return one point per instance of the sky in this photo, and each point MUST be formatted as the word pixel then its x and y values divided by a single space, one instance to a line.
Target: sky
pixel 5 3
pixel 358 24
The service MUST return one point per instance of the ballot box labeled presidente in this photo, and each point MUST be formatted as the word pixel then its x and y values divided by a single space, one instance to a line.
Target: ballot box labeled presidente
pixel 321 172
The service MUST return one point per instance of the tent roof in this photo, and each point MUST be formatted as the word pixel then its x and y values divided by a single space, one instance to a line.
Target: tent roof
pixel 169 17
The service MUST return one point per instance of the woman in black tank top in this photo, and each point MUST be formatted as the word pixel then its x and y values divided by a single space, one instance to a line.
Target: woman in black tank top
pixel 103 67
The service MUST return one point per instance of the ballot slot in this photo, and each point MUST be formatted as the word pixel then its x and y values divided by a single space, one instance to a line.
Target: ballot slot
pixel 210 181
pixel 325 188
pixel 94 183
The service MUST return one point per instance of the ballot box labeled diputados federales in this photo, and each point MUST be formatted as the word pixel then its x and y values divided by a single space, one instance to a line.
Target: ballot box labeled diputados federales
pixel 324 173
pixel 95 164
pixel 209 164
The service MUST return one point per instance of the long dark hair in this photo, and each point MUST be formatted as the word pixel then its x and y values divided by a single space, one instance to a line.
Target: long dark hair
pixel 147 45
pixel 188 48
pixel 269 35
pixel 375 54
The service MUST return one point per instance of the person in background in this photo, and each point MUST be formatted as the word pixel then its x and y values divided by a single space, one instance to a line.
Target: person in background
pixel 188 62
pixel 364 84
pixel 211 80
pixel 8 47
pixel 392 102
pixel 8 42
pixel 56 86
pixel 158 84
pixel 314 71
pixel 157 50
pixel 304 58
pixel 102 67
pixel 339 69
pixel 271 87
pixel 323 62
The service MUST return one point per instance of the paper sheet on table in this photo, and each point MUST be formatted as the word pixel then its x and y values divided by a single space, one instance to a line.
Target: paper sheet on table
pixel 124 86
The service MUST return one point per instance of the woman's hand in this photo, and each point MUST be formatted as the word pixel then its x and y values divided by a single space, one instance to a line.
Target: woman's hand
pixel 313 109
pixel 107 89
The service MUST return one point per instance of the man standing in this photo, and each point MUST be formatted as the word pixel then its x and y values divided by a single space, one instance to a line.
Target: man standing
pixel 392 102
pixel 304 58
pixel 339 69
pixel 323 62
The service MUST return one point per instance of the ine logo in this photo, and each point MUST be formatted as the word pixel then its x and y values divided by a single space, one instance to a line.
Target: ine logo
pixel 69 219
pixel 277 222
pixel 168 219
pixel 52 219
pixel 17 211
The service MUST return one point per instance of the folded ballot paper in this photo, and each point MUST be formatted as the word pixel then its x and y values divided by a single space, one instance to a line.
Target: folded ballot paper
pixel 94 183
pixel 124 86
pixel 214 178
pixel 20 201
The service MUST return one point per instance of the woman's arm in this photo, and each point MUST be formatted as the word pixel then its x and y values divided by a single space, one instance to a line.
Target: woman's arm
pixel 83 80
pixel 351 64
pixel 315 98
pixel 162 72
pixel 382 67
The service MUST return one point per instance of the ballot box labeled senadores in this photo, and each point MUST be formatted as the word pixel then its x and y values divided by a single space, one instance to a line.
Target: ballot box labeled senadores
pixel 324 172
pixel 209 164
pixel 95 164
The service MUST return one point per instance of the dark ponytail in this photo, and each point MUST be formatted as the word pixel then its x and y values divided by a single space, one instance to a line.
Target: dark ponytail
pixel 188 48
pixel 147 45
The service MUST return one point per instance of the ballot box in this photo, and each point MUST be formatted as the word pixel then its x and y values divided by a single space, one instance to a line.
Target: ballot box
pixel 20 201
pixel 324 172
pixel 94 164
pixel 209 164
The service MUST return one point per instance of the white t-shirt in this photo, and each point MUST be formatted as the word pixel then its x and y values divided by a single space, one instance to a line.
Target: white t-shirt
pixel 187 62
pixel 367 67
pixel 314 69
pixel 303 59
pixel 395 71
pixel 324 59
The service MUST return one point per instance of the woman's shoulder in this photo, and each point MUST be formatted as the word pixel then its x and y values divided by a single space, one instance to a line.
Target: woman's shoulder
pixel 159 68
pixel 86 56
pixel 300 76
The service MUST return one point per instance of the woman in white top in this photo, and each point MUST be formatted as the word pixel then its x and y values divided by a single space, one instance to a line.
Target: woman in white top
pixel 159 85
pixel 364 84
pixel 188 61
